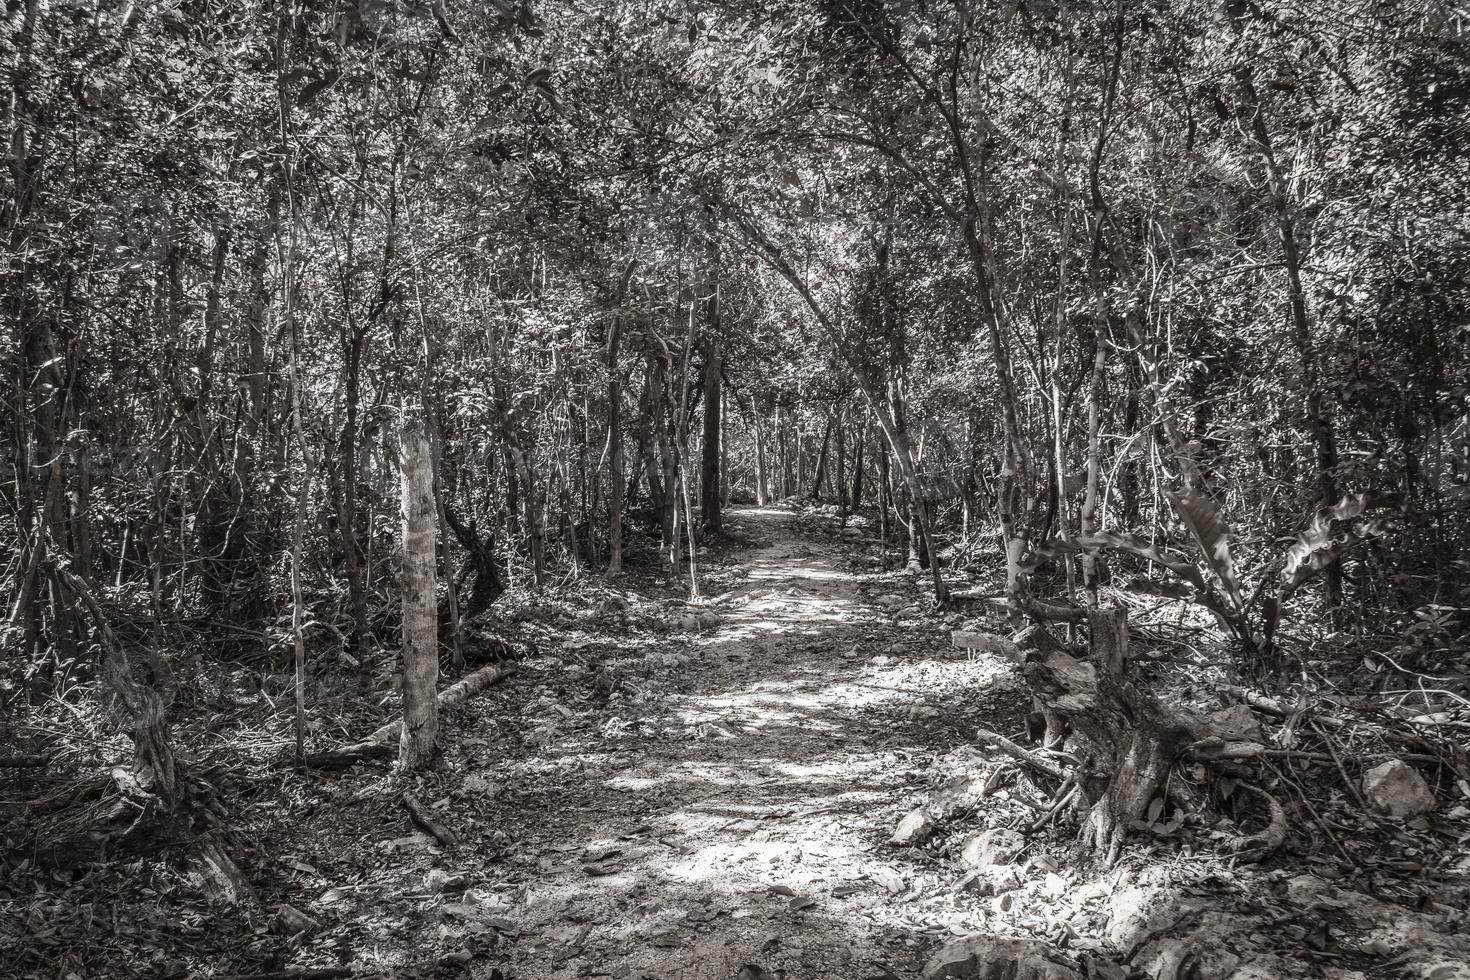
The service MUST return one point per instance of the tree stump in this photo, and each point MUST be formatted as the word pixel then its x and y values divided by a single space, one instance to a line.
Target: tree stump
pixel 1126 740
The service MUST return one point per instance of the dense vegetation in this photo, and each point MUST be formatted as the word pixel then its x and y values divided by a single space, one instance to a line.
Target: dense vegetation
pixel 1165 296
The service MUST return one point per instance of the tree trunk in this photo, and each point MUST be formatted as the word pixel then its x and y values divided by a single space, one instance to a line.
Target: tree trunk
pixel 819 476
pixel 416 748
pixel 840 478
pixel 762 491
pixel 348 520
pixel 486 586
pixel 709 474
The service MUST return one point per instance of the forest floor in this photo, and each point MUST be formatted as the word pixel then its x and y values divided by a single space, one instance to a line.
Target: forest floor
pixel 708 789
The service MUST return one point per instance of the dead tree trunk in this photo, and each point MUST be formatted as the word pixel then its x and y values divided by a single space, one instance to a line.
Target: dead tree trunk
pixel 420 619
pixel 1126 741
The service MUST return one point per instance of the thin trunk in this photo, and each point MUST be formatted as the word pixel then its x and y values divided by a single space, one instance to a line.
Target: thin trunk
pixel 840 478
pixel 681 436
pixel 416 748
pixel 710 470
pixel 451 576
pixel 762 493
pixel 819 475
pixel 614 452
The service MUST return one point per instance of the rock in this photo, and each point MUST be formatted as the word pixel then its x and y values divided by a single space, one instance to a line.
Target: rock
pixel 1236 723
pixel 1197 958
pixel 1442 969
pixel 1135 913
pixel 1308 889
pixel 999 845
pixel 438 881
pixel 993 880
pixel 291 921
pixel 913 829
pixel 1396 789
pixel 994 958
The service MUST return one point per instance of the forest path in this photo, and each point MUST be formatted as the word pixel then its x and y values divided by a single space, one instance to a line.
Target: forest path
pixel 737 810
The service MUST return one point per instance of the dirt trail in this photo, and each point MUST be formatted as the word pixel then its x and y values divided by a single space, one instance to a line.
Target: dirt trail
pixel 737 812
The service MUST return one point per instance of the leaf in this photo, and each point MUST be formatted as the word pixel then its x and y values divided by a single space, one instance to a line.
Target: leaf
pixel 801 902
pixel 1314 549
pixel 1168 560
pixel 1202 518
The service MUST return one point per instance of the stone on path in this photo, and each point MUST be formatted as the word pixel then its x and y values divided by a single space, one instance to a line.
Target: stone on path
pixel 913 829
pixel 998 845
pixel 994 958
pixel 1396 789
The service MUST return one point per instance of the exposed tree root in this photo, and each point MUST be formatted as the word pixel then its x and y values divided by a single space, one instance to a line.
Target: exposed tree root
pixel 1260 846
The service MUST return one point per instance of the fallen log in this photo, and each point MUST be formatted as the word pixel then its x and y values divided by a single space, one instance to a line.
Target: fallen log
pixel 376 745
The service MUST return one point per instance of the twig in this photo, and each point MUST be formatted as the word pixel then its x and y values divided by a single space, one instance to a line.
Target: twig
pixel 425 821
pixel 1063 796
pixel 1020 755
pixel 1341 769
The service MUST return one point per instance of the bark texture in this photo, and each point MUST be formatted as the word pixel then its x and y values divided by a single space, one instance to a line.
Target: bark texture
pixel 420 619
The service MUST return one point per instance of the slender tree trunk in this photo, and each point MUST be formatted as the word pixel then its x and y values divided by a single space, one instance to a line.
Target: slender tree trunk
pixel 885 499
pixel 819 475
pixel 709 476
pixel 416 748
pixel 681 449
pixel 451 577
pixel 348 512
pixel 840 478
pixel 762 492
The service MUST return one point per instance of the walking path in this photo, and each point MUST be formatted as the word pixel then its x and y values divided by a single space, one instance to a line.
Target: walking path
pixel 735 813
